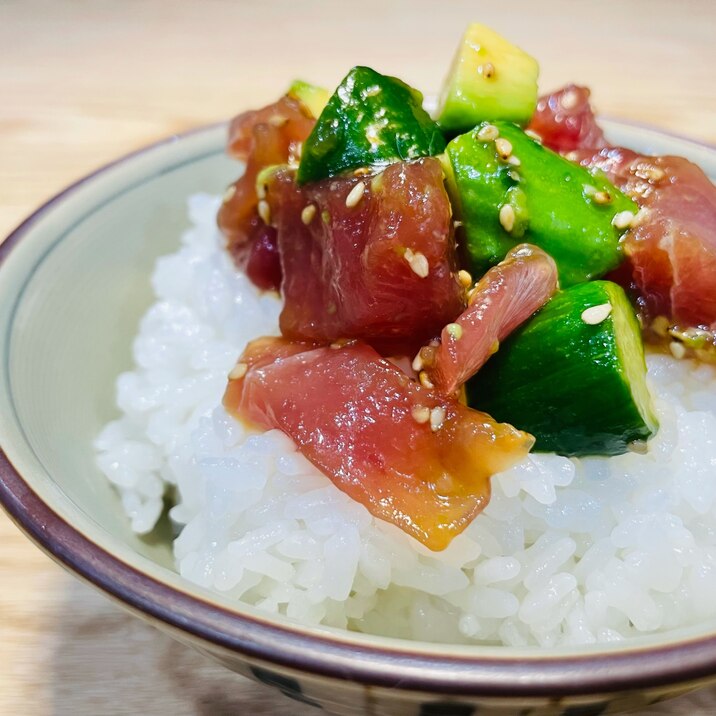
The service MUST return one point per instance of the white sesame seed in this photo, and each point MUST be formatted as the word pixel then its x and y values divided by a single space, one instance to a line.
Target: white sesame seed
pixel 514 161
pixel 533 135
pixel 678 350
pixel 507 217
pixel 514 175
pixel 427 354
pixel 424 380
pixel 261 189
pixel 660 326
pixel 376 183
pixel 596 314
pixel 264 211
pixel 655 174
pixel 417 363
pixel 572 156
pixel 641 447
pixel 308 213
pixel 641 216
pixel 601 197
pixel 487 70
pixel 589 190
pixel 421 414
pixel 457 224
pixel 648 171
pixel 229 194
pixel 355 195
pixel 437 418
pixel 417 262
pixel 464 278
pixel 342 343
pixel 623 220
pixel 569 99
pixel 277 120
pixel 488 133
pixel 361 171
pixel 238 371
pixel 298 150
pixel 445 484
pixel 420 265
pixel 504 147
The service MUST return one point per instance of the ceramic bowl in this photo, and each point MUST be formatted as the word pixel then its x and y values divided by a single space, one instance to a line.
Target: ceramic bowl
pixel 74 280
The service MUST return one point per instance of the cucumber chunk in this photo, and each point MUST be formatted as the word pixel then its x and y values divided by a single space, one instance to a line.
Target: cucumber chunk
pixel 312 97
pixel 576 381
pixel 507 188
pixel 489 79
pixel 371 119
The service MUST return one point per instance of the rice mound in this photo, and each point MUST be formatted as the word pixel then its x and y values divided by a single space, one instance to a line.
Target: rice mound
pixel 569 551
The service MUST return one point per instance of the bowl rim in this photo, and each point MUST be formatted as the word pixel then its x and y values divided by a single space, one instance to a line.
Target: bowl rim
pixel 328 654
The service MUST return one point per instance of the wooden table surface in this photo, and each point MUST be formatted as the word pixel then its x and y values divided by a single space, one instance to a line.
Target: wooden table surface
pixel 84 81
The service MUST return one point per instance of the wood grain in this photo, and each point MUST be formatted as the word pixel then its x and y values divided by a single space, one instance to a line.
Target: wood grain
pixel 82 82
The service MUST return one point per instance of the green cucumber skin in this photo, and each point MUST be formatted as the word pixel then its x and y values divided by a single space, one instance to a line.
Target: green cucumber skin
pixel 563 380
pixel 558 215
pixel 368 105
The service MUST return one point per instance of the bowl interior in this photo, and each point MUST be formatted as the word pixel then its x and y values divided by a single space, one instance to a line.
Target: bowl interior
pixel 72 291
pixel 72 294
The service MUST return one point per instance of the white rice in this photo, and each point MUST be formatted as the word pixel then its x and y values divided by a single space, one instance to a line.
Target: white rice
pixel 567 552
